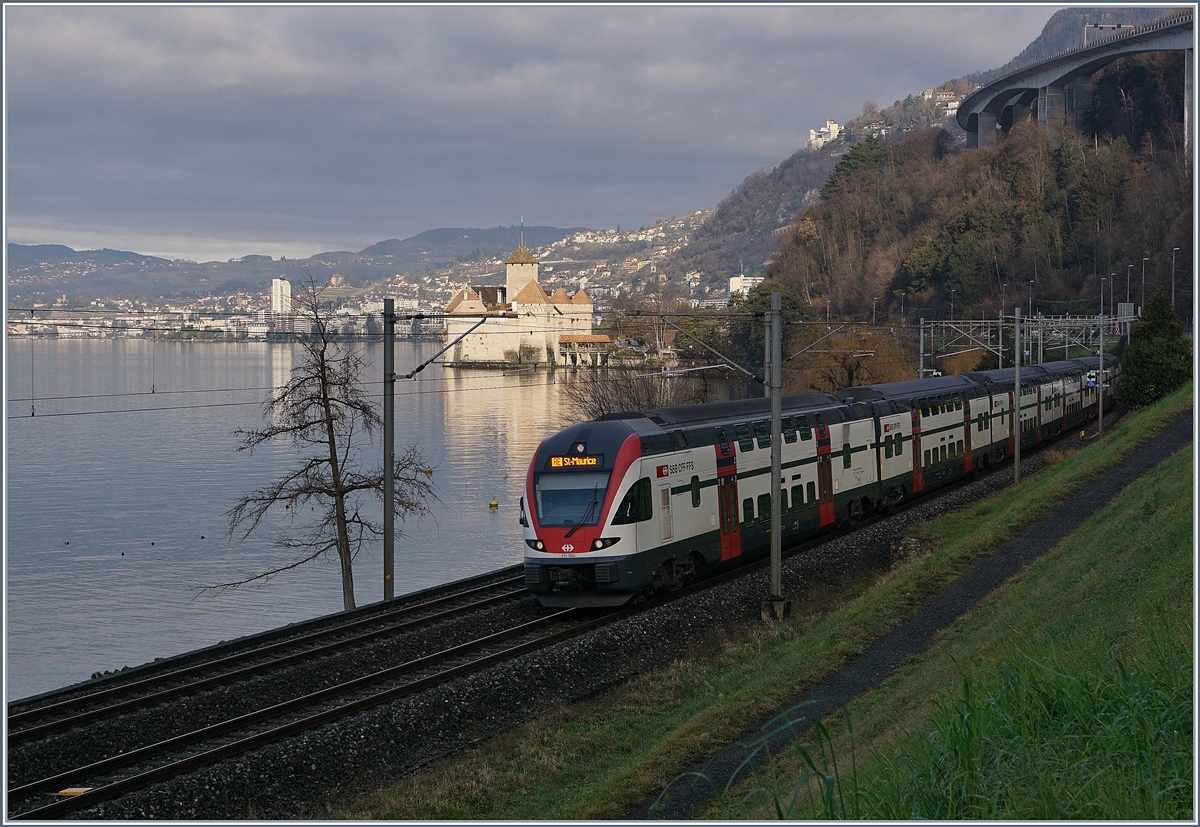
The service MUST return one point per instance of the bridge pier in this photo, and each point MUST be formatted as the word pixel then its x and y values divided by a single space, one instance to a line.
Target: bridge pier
pixel 986 135
pixel 1079 101
pixel 1189 95
pixel 1052 108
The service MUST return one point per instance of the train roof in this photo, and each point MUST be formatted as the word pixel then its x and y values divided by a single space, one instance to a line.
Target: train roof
pixel 732 409
pixel 906 390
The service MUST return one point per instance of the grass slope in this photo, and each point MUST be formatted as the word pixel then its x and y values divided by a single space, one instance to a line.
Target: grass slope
pixel 1038 713
pixel 599 758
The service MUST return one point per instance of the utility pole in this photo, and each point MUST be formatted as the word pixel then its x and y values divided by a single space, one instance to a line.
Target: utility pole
pixel 1017 398
pixel 921 346
pixel 875 299
pixel 389 448
pixel 776 607
pixel 1128 274
pixel 769 338
pixel 1000 329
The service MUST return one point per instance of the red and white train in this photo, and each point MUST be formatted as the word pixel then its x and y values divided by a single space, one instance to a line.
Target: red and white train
pixel 635 502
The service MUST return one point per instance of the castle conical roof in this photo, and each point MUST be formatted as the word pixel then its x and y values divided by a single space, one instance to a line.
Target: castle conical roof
pixel 531 293
pixel 581 298
pixel 521 256
pixel 560 297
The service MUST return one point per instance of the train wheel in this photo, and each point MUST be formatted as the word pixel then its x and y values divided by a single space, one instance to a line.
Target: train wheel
pixel 667 577
pixel 855 511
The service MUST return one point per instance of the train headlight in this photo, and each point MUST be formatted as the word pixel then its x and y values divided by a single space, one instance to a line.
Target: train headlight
pixel 536 545
pixel 604 542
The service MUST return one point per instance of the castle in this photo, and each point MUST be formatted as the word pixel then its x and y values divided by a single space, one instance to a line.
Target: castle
pixel 522 324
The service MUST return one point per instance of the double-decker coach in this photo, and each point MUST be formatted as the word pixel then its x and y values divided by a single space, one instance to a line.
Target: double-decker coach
pixel 645 500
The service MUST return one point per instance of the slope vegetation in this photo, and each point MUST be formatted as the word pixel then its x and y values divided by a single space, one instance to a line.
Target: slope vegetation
pixel 911 217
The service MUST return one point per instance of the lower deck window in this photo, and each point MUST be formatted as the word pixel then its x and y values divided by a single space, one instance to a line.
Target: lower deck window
pixel 764 507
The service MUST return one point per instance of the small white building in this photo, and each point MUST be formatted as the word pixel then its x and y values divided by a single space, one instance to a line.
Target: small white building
pixel 743 284
pixel 817 138
pixel 523 324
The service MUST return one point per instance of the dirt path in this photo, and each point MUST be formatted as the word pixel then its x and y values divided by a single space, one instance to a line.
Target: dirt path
pixel 691 791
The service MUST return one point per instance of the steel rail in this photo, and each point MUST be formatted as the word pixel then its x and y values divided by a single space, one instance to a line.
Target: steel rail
pixel 142 701
pixel 152 751
pixel 233 660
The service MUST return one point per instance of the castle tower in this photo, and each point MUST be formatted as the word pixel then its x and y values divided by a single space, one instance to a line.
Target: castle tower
pixel 520 269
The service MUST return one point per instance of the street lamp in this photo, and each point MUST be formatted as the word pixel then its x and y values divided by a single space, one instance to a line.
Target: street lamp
pixel 1112 286
pixel 952 289
pixel 1142 302
pixel 1128 273
pixel 1174 250
pixel 873 300
pixel 1031 299
pixel 827 304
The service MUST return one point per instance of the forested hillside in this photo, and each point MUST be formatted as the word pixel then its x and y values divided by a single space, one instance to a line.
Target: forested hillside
pixel 911 217
pixel 743 231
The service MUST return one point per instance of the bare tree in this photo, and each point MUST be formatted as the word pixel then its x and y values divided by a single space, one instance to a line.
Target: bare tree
pixel 325 412
pixel 592 393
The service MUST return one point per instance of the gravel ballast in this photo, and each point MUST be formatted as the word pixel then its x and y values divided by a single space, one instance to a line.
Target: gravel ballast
pixel 306 775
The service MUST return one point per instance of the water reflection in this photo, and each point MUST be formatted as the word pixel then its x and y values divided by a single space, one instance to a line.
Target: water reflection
pixel 113 518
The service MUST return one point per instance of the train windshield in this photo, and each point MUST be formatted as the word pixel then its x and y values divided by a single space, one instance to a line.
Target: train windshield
pixel 570 499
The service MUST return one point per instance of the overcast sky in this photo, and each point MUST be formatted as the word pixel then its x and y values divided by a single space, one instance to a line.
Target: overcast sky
pixel 211 133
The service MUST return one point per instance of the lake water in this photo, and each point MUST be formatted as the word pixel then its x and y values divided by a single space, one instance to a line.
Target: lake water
pixel 116 496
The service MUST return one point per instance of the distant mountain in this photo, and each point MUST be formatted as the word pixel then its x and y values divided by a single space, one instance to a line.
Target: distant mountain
pixel 1064 30
pixel 54 268
pixel 25 255
pixel 433 248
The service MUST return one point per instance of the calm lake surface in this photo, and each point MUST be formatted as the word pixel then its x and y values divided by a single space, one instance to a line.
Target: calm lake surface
pixel 116 496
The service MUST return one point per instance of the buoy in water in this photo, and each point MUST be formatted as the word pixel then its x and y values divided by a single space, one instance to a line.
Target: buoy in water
pixel 493 503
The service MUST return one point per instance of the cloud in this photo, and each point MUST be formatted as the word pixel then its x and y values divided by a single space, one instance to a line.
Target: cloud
pixel 361 123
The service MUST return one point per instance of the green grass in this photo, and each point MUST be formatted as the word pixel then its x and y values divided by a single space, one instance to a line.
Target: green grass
pixel 598 758
pixel 1041 713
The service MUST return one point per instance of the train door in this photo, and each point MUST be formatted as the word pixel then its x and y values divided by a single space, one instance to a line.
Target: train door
pixel 1014 420
pixel 729 526
pixel 1041 410
pixel 828 514
pixel 968 459
pixel 727 517
pixel 918 481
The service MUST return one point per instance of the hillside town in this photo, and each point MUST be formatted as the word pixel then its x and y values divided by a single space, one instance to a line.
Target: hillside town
pixel 607 264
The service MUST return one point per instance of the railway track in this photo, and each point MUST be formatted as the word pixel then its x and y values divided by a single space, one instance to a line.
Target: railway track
pixel 80 710
pixel 65 789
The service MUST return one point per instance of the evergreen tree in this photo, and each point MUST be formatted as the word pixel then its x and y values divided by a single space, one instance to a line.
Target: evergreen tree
pixel 1158 358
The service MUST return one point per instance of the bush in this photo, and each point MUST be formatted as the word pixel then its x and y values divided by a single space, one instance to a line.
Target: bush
pixel 1158 358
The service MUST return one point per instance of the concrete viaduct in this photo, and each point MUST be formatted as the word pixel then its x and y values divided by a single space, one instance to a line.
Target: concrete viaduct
pixel 1062 84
